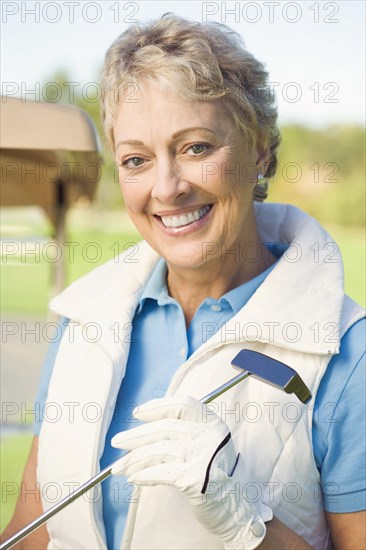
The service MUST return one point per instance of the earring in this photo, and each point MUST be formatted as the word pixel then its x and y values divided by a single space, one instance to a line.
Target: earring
pixel 260 191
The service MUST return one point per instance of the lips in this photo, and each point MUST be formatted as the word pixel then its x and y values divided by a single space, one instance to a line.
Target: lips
pixel 185 219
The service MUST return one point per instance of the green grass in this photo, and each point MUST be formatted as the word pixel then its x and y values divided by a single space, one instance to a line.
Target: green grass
pixel 351 242
pixel 25 284
pixel 14 452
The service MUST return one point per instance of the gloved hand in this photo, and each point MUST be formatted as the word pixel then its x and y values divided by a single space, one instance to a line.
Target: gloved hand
pixel 187 446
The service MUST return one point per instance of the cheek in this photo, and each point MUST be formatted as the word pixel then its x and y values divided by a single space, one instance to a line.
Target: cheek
pixel 194 173
pixel 226 177
pixel 133 193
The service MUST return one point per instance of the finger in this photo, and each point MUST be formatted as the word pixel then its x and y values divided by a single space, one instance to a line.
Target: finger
pixel 151 455
pixel 165 429
pixel 175 406
pixel 171 474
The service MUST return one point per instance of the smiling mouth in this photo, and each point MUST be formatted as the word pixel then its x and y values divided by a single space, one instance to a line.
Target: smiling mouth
pixel 185 219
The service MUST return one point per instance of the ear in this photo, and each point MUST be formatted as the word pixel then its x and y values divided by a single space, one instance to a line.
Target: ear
pixel 262 163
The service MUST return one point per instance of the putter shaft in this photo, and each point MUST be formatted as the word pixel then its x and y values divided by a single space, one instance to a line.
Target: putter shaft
pixel 103 474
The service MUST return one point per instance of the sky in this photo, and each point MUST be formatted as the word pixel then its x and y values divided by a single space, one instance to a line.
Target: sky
pixel 314 50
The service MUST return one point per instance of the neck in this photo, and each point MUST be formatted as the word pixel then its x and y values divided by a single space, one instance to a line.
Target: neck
pixel 214 278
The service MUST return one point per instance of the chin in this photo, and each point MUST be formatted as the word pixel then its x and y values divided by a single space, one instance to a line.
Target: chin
pixel 184 257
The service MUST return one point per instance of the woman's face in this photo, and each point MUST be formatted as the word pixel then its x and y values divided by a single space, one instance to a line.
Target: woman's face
pixel 187 175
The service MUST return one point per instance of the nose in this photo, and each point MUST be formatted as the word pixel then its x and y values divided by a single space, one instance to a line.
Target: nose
pixel 169 183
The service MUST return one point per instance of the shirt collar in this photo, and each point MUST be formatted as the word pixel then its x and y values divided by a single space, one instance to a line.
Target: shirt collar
pixel 239 296
pixel 156 289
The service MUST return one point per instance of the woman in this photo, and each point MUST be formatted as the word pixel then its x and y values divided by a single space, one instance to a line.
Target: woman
pixel 190 122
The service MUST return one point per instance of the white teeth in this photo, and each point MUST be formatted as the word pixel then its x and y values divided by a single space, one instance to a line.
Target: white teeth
pixel 184 219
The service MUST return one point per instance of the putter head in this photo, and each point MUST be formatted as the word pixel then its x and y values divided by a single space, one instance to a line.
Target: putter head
pixel 272 372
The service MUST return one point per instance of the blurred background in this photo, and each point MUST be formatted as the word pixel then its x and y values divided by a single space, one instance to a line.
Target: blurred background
pixel 53 52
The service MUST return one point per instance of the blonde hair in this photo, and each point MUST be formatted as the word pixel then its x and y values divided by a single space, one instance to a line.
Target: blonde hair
pixel 203 62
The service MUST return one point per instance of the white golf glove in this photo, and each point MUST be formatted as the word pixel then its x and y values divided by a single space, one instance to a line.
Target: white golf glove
pixel 187 446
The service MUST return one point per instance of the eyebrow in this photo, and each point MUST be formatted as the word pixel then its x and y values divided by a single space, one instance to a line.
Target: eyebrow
pixel 129 142
pixel 177 134
pixel 186 130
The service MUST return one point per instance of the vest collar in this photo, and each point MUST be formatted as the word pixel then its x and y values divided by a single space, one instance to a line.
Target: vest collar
pixel 102 293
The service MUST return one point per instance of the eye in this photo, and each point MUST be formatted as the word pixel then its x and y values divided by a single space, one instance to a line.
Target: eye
pixel 198 148
pixel 132 162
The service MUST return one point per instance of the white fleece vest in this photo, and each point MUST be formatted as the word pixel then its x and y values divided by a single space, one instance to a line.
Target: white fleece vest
pixel 297 316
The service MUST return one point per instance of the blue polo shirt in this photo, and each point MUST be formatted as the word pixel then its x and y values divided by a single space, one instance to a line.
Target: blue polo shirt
pixel 160 343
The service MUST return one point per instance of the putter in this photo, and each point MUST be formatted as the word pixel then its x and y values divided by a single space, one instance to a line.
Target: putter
pixel 251 363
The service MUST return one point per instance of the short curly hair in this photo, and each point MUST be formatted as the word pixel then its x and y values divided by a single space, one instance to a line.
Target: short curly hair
pixel 203 62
